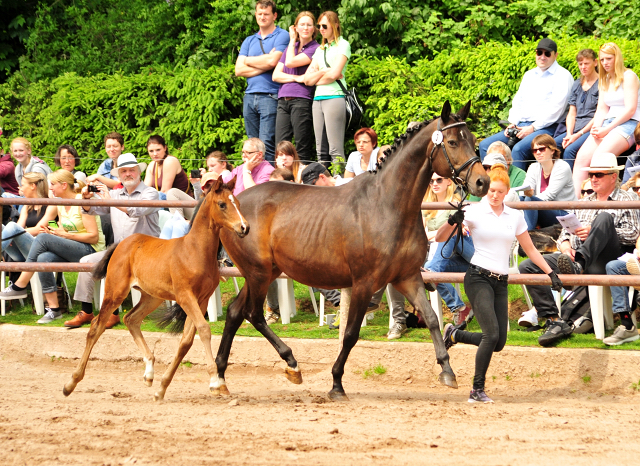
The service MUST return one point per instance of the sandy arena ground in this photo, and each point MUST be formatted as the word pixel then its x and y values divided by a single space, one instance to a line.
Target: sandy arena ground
pixel 553 406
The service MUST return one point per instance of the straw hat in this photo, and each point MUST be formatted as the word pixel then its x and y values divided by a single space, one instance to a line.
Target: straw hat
pixel 127 160
pixel 605 161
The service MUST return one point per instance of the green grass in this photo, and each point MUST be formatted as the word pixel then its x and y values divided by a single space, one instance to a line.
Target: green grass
pixel 305 323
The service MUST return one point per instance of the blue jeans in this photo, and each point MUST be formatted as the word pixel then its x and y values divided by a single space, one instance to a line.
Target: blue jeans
pixel 7 195
pixel 18 248
pixel 175 227
pixel 619 294
pixel 572 149
pixel 458 263
pixel 259 112
pixel 521 152
pixel 51 248
pixel 544 218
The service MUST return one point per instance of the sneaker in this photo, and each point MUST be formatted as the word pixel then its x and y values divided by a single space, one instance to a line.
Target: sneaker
pixel 371 309
pixel 79 320
pixel 271 316
pixel 556 331
pixel 11 293
pixel 447 336
pixel 633 267
pixel 49 316
pixel 396 331
pixel 583 325
pixel 479 396
pixel 335 324
pixel 567 266
pixel 461 315
pixel 529 318
pixel 622 335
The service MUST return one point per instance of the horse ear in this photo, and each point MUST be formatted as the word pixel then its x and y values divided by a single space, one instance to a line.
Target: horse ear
pixel 464 112
pixel 231 183
pixel 446 112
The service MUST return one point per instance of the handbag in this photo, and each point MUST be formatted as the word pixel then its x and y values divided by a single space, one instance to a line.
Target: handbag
pixel 354 108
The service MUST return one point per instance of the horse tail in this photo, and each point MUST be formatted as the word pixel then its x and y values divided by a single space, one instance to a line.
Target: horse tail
pixel 172 319
pixel 100 269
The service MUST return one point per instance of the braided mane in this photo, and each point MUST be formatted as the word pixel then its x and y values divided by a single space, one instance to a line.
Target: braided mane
pixel 399 142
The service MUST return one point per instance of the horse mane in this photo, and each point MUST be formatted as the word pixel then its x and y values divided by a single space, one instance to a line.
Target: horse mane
pixel 201 201
pixel 399 142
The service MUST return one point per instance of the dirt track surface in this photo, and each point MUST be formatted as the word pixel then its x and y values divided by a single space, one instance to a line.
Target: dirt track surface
pixel 552 406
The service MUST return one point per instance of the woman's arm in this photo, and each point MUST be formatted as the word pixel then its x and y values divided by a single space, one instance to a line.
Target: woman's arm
pixel 90 237
pixel 22 220
pixel 348 174
pixel 50 214
pixel 313 74
pixel 148 176
pixel 281 77
pixel 444 232
pixel 571 119
pixel 294 61
pixel 170 168
pixel 335 72
pixel 525 241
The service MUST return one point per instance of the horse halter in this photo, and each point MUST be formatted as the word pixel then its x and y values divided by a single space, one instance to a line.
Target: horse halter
pixel 438 141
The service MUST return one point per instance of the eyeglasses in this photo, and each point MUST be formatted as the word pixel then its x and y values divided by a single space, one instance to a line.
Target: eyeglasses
pixel 436 181
pixel 599 174
pixel 539 149
pixel 323 26
pixel 586 192
pixel 246 152
pixel 545 52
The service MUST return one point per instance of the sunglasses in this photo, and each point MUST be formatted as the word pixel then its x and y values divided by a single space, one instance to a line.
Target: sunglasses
pixel 323 26
pixel 486 167
pixel 599 175
pixel 635 188
pixel 436 181
pixel 586 192
pixel 545 52
pixel 535 150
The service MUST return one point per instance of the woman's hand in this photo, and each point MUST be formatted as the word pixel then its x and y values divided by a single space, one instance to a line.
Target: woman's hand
pixel 60 232
pixel 600 132
pixel 568 140
pixel 292 36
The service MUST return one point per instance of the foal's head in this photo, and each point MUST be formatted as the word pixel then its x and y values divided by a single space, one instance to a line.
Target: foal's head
pixel 224 208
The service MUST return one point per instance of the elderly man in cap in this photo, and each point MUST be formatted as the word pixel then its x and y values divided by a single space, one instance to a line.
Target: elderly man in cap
pixel 125 222
pixel 603 236
pixel 541 101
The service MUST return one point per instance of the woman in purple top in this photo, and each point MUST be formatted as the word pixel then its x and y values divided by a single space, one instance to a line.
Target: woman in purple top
pixel 295 100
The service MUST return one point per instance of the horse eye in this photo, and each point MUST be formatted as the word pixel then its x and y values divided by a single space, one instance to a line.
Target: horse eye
pixel 453 143
pixel 223 205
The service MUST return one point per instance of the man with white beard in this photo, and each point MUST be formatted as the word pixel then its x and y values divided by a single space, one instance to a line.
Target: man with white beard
pixel 125 221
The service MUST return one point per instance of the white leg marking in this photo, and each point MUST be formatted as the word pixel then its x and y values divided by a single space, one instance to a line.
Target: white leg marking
pixel 216 382
pixel 148 371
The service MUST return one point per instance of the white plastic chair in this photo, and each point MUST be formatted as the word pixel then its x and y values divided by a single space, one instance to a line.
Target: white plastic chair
pixel 319 310
pixel 3 278
pixel 38 297
pixel 601 309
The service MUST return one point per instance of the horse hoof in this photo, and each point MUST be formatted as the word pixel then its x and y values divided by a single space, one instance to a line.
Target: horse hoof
pixel 336 395
pixel 158 396
pixel 148 382
pixel 293 376
pixel 448 379
pixel 222 390
pixel 66 391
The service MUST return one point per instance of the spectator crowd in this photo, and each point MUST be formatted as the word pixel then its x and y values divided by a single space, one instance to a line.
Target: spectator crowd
pixel 562 142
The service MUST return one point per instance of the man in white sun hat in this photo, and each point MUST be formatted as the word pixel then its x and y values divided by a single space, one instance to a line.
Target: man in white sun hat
pixel 604 235
pixel 125 221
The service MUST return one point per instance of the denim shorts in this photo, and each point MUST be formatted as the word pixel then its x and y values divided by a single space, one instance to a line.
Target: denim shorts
pixel 625 130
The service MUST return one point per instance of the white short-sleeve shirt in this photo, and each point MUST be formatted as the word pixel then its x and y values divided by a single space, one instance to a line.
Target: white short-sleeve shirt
pixel 493 234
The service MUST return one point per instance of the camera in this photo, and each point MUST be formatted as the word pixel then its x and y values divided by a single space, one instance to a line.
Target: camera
pixel 195 173
pixel 92 189
pixel 512 134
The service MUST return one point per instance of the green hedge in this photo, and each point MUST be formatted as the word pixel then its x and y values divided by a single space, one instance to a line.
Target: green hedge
pixel 201 109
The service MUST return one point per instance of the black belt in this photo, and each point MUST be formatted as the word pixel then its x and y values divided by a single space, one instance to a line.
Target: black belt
pixel 489 273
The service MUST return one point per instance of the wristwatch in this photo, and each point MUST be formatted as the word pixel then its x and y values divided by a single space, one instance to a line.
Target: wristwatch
pixel 246 170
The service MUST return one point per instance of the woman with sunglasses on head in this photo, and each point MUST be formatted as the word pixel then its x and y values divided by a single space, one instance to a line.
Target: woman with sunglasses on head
pixel 583 101
pixel 287 158
pixel 76 235
pixel 617 114
pixel 493 227
pixel 549 179
pixel 632 185
pixel 586 189
pixel 295 99
pixel 366 155
pixel 329 64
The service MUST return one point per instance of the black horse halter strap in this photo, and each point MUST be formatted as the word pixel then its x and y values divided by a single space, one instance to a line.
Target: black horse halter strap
pixel 463 184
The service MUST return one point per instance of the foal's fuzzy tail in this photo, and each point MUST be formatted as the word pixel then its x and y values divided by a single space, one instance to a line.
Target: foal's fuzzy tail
pixel 100 269
pixel 172 319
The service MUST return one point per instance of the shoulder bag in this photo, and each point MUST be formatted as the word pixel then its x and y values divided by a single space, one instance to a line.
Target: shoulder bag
pixel 353 106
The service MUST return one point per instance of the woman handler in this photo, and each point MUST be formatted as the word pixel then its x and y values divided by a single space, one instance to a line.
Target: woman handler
pixel 493 227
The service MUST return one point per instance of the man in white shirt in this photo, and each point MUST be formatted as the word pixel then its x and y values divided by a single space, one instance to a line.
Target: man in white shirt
pixel 539 104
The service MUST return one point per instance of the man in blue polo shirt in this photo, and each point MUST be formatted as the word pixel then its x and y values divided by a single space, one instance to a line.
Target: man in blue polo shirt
pixel 259 55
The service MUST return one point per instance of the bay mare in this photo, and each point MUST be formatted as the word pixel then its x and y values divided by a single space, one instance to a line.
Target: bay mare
pixel 184 270
pixel 362 235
